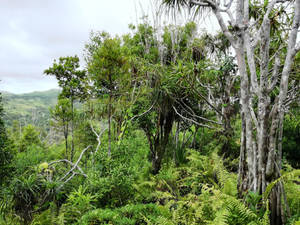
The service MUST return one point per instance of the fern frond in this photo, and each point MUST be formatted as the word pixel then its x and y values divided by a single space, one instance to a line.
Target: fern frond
pixel 288 176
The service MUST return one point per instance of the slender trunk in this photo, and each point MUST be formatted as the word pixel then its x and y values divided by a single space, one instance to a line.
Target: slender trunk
pixel 66 138
pixel 176 142
pixel 72 130
pixel 109 124
pixel 194 138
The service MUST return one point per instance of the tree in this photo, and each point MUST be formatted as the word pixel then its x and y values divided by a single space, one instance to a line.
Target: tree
pixel 265 57
pixel 5 154
pixel 72 80
pixel 30 136
pixel 62 115
pixel 159 63
pixel 107 65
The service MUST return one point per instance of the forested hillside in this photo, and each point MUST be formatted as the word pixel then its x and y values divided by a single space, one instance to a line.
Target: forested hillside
pixel 164 125
pixel 30 108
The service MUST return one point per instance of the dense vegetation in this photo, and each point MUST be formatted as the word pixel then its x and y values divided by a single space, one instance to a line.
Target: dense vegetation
pixel 148 133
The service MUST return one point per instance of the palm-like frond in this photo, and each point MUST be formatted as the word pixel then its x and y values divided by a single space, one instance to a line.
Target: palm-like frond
pixel 176 4
pixel 172 7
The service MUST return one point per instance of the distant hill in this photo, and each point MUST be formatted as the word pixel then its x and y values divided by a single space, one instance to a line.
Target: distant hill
pixel 30 107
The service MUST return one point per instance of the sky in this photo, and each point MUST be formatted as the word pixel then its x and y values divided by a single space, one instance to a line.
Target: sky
pixel 35 32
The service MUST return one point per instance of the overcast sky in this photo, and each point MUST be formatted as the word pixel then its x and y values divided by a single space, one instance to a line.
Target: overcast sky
pixel 35 32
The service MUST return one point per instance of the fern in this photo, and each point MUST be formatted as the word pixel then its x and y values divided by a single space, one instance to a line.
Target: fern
pixel 288 176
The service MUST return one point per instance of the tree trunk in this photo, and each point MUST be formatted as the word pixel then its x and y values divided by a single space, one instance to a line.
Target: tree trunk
pixel 161 139
pixel 72 130
pixel 176 141
pixel 109 124
pixel 66 138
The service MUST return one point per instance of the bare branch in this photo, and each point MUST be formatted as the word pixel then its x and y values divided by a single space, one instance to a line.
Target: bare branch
pixel 192 113
pixel 289 58
pixel 212 106
pixel 66 161
pixel 265 19
pixel 194 2
pixel 98 136
pixel 223 26
pixel 264 54
pixel 143 112
pixel 191 120
pixel 76 164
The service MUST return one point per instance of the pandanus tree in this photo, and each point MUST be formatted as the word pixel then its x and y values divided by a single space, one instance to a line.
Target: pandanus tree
pixel 265 55
pixel 161 60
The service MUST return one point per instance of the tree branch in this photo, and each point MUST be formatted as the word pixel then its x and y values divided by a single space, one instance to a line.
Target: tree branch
pixel 67 161
pixel 191 120
pixel 98 136
pixel 251 63
pixel 194 2
pixel 213 107
pixel 143 112
pixel 76 164
pixel 192 113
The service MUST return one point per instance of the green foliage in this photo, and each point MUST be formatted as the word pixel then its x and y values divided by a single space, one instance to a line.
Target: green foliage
pixel 5 150
pixel 238 214
pixel 292 189
pixel 70 78
pixel 25 191
pixel 78 203
pixel 108 63
pixel 291 138
pixel 149 81
pixel 129 214
pixel 30 136
pixel 33 156
pixel 288 175
pixel 62 112
pixel 112 178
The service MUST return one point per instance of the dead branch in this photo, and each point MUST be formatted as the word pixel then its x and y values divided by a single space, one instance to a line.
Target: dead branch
pixel 98 136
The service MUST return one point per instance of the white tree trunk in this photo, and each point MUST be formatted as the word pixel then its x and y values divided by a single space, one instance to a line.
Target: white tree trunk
pixel 260 155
